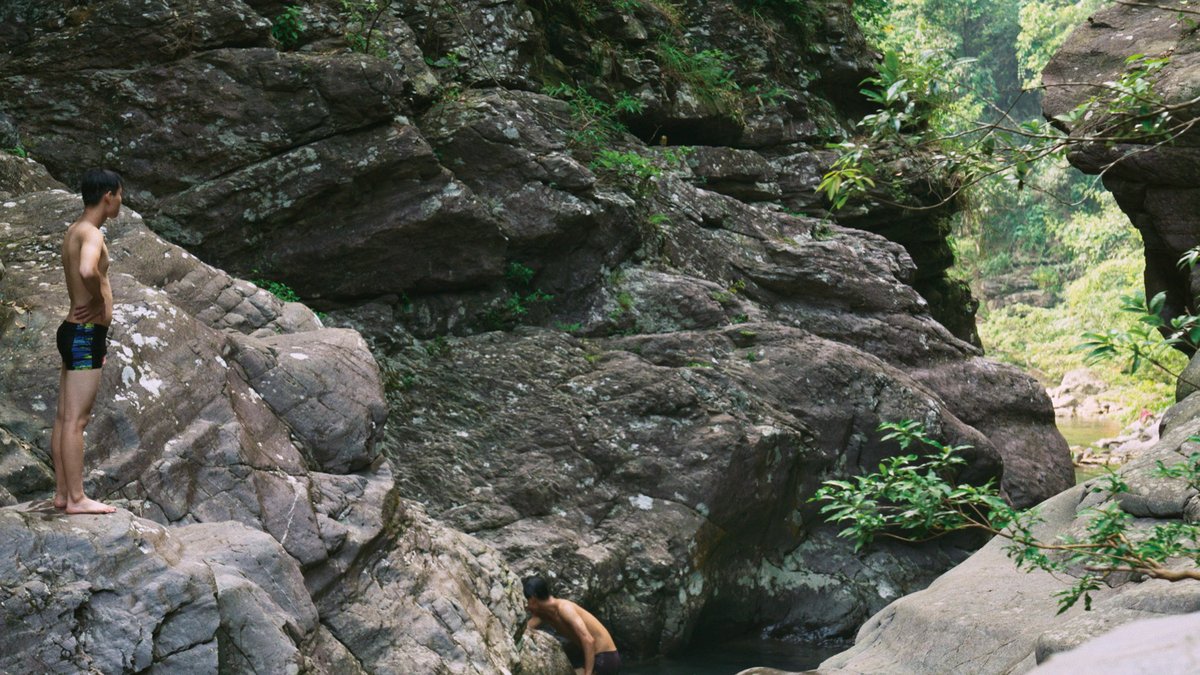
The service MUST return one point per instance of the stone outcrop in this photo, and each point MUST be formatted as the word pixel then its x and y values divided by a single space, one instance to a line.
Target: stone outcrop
pixel 628 374
pixel 659 460
pixel 1161 645
pixel 1154 183
pixel 986 616
pixel 259 528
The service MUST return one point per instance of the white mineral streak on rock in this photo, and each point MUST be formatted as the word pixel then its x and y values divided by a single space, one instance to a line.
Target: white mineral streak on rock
pixel 642 502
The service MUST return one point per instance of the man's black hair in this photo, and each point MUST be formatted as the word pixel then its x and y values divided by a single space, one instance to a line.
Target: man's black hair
pixel 97 183
pixel 536 587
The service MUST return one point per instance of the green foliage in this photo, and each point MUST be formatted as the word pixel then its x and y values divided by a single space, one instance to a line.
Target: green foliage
pixel 278 289
pixel 1127 109
pixel 917 104
pixel 1147 342
pixel 849 177
pixel 519 274
pixel 18 150
pixel 625 304
pixel 1153 339
pixel 1045 25
pixel 1044 340
pixel 288 27
pixel 768 96
pixel 597 123
pixel 707 71
pixel 983 30
pixel 931 106
pixel 438 347
pixel 522 301
pixel 362 20
pixel 636 172
pixel 627 166
pixel 914 497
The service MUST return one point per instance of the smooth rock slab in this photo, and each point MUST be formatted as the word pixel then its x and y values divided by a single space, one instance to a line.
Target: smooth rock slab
pixel 1162 646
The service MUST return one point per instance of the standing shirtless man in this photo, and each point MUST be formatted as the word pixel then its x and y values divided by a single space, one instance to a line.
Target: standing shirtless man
pixel 83 337
pixel 583 631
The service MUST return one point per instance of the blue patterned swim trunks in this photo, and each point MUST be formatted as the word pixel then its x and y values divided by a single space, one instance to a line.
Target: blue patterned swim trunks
pixel 82 345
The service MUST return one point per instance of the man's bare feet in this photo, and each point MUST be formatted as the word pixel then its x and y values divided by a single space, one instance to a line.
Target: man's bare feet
pixel 87 505
pixel 60 502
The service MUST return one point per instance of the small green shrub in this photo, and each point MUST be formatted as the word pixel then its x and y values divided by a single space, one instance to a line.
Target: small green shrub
pixel 597 123
pixel 707 71
pixel 361 21
pixel 288 27
pixel 278 289
pixel 521 300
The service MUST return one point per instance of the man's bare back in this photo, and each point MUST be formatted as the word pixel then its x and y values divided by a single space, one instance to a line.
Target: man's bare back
pixel 561 616
pixel 594 651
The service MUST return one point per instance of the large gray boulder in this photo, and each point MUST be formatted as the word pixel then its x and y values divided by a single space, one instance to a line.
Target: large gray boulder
pixel 1162 646
pixel 659 461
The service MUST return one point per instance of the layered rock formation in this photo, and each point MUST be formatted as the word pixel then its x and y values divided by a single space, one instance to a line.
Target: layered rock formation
pixel 682 359
pixel 219 403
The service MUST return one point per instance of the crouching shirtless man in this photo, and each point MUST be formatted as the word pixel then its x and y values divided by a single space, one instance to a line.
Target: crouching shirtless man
pixel 589 646
pixel 83 337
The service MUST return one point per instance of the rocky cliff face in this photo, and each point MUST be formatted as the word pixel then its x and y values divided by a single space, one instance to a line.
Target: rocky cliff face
pixel 650 434
pixel 239 437
pixel 1154 183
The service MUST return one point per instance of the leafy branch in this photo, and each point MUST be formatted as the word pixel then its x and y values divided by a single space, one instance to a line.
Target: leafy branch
pixel 1148 341
pixel 912 122
pixel 914 497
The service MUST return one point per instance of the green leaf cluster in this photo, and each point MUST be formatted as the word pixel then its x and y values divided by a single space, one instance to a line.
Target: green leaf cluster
pixel 708 72
pixel 288 27
pixel 278 289
pixel 361 19
pixel 914 497
pixel 597 123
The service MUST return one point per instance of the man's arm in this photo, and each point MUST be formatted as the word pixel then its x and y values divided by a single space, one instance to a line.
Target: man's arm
pixel 586 641
pixel 89 273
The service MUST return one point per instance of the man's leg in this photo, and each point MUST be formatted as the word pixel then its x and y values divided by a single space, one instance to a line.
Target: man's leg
pixel 60 479
pixel 79 393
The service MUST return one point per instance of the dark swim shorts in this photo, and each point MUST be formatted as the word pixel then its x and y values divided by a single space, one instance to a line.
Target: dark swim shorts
pixel 82 345
pixel 606 663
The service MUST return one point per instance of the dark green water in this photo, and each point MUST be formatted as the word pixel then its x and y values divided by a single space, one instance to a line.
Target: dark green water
pixel 731 657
